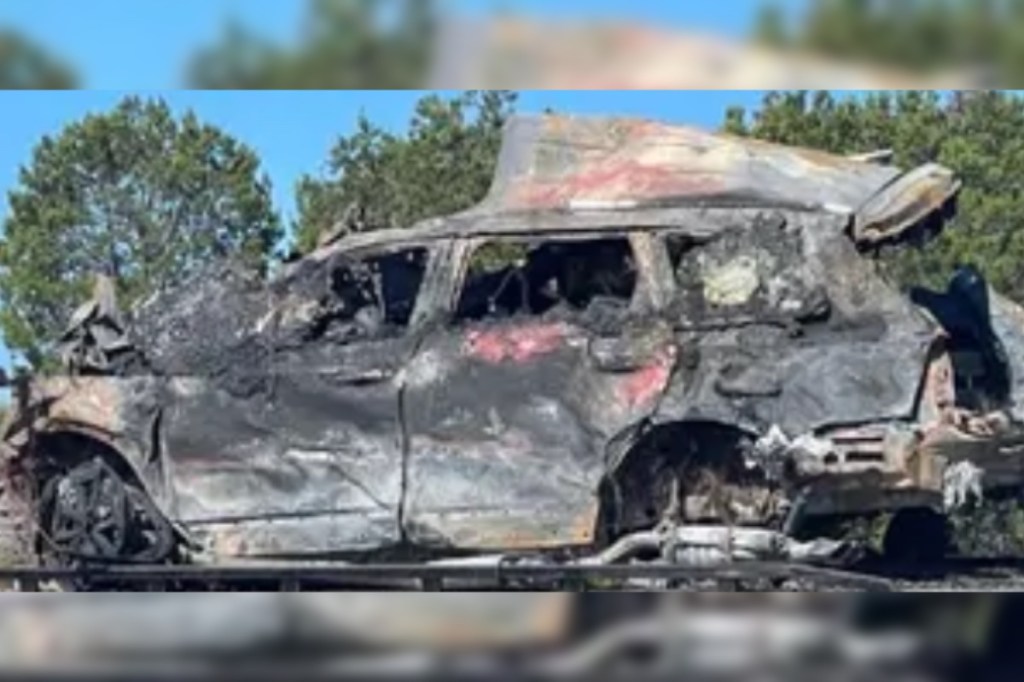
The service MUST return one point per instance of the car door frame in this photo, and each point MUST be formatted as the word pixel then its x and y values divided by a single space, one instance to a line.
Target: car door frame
pixel 270 530
pixel 648 299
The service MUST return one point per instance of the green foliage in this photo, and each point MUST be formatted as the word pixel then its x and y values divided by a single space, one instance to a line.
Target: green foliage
pixel 979 135
pixel 770 26
pixel 442 164
pixel 990 528
pixel 918 34
pixel 344 44
pixel 136 193
pixel 26 66
pixel 868 530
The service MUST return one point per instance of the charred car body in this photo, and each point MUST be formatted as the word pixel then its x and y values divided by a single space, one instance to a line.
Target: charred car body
pixel 645 339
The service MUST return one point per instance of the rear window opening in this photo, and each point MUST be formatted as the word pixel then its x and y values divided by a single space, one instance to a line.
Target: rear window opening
pixel 508 279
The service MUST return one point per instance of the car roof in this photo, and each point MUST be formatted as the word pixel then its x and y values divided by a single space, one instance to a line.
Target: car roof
pixel 566 174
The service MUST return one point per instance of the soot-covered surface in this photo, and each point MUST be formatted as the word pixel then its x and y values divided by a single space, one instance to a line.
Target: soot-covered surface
pixel 345 407
pixel 793 327
pixel 283 439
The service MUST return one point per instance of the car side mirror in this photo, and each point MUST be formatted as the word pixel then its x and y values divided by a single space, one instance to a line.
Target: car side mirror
pixel 901 205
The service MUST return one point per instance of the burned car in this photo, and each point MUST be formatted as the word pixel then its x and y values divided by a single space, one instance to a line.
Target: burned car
pixel 645 341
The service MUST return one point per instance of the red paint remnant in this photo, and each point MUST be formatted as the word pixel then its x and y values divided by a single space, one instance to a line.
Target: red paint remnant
pixel 643 385
pixel 614 180
pixel 517 344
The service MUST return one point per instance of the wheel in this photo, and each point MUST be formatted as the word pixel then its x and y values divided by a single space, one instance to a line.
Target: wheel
pixel 692 472
pixel 90 514
pixel 918 535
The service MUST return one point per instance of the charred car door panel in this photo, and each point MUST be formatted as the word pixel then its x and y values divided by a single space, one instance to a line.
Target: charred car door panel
pixel 510 409
pixel 311 462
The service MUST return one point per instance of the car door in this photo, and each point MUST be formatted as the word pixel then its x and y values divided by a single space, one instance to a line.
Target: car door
pixel 551 354
pixel 312 461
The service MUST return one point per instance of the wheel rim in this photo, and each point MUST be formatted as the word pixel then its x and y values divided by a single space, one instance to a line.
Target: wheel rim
pixel 90 513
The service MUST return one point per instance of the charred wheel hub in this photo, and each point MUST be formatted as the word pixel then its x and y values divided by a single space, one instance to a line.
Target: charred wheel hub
pixel 91 513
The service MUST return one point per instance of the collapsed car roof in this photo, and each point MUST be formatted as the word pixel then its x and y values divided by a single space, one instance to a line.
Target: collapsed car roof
pixel 573 172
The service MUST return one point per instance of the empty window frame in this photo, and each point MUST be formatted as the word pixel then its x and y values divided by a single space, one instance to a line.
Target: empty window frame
pixel 506 279
pixel 373 296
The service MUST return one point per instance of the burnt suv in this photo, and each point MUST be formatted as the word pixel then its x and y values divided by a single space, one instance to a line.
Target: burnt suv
pixel 645 339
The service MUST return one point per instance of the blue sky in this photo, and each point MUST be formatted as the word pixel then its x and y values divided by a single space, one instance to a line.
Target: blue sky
pixel 145 43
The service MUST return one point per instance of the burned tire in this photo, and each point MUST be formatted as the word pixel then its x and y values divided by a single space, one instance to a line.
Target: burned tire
pixel 693 470
pixel 90 514
pixel 916 536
